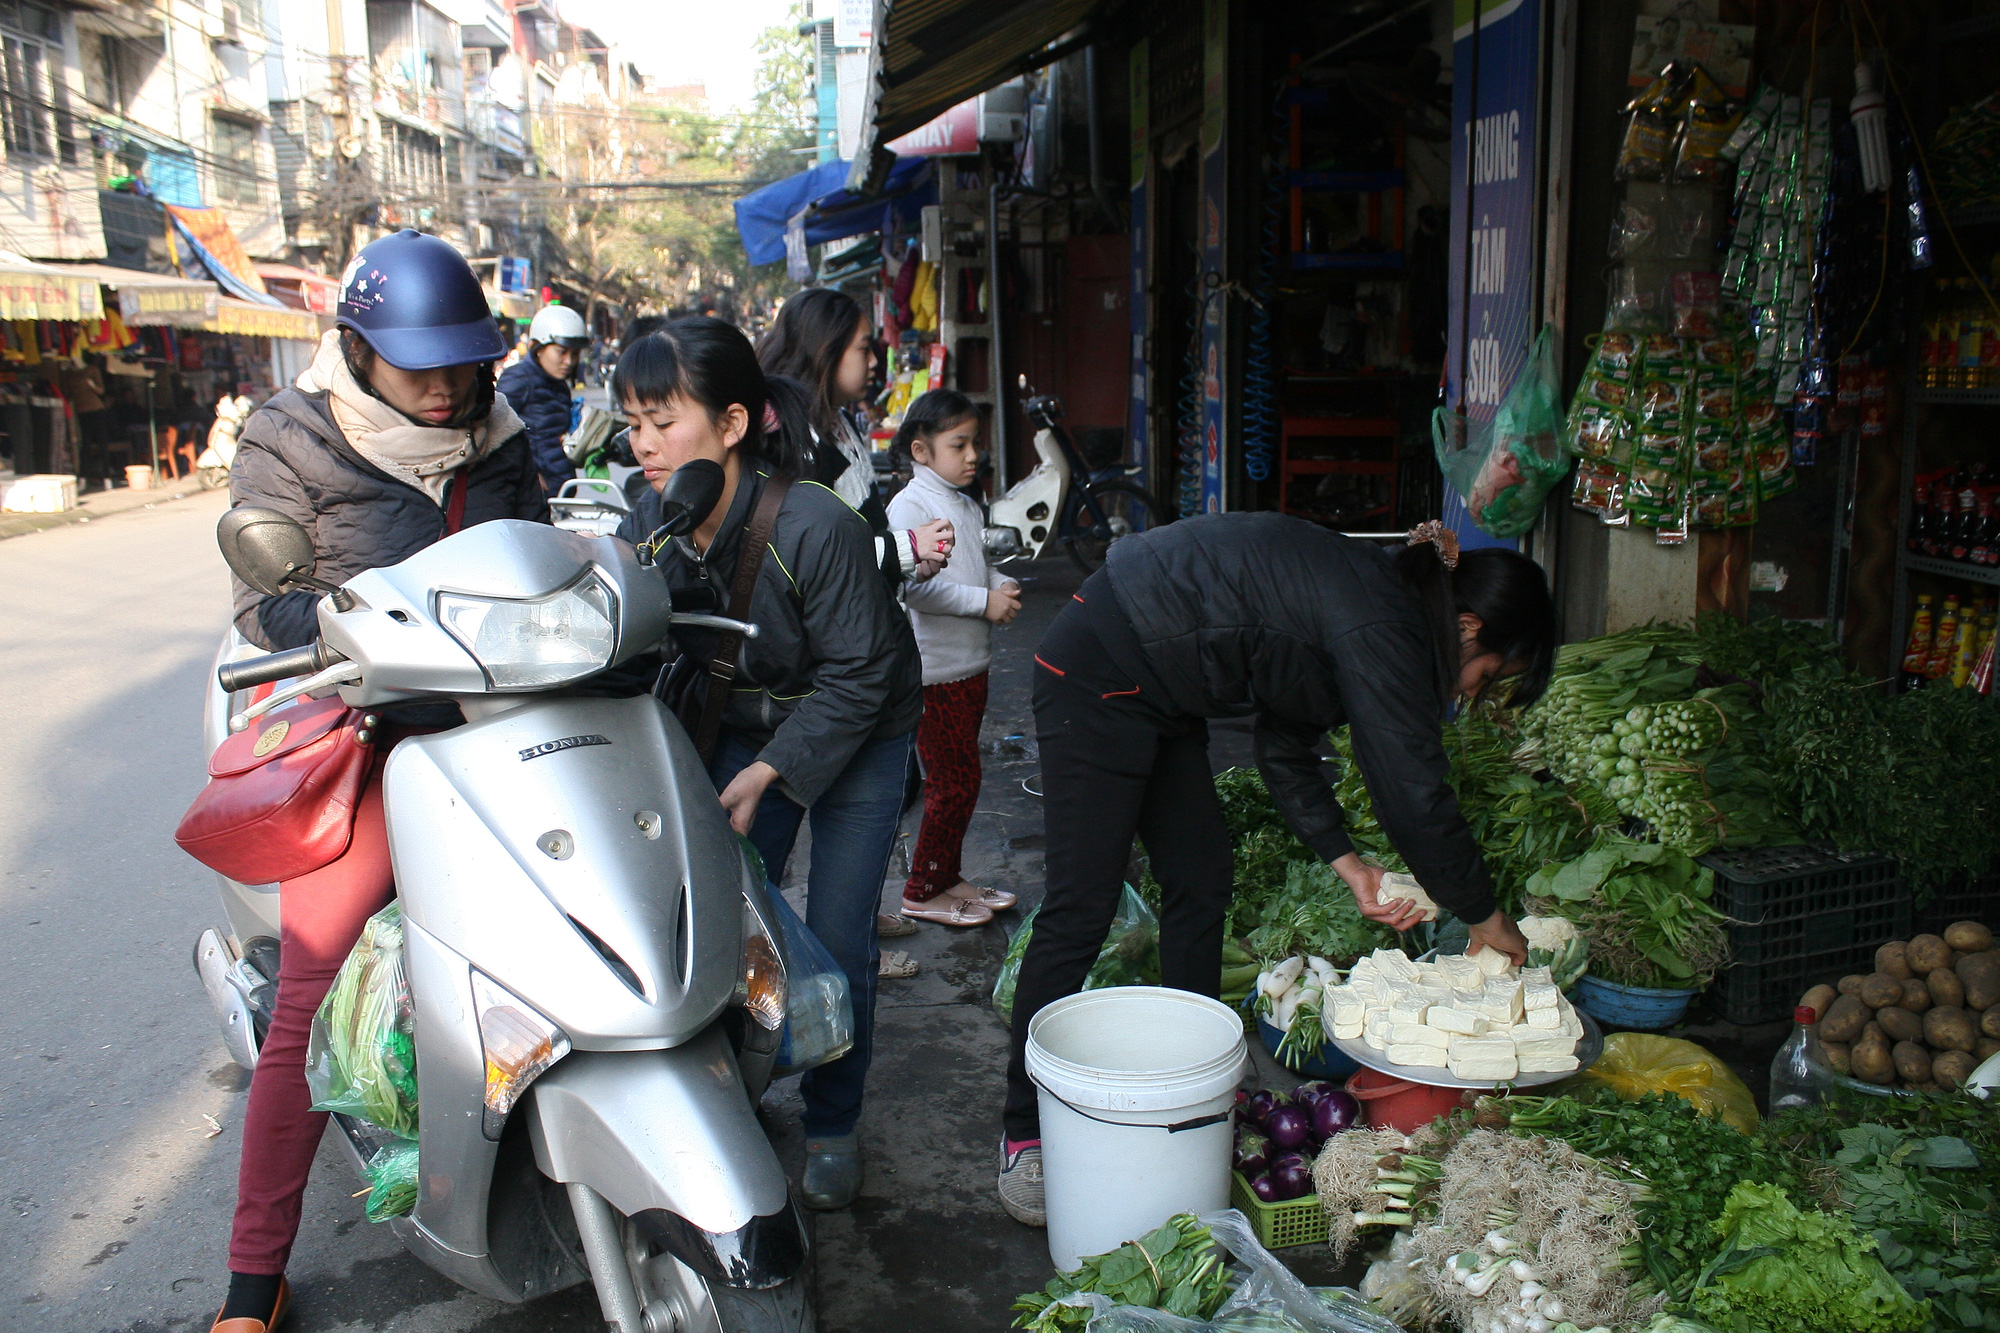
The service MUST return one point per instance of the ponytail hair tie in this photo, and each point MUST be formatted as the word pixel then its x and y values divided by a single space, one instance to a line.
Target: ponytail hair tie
pixel 1438 535
pixel 771 424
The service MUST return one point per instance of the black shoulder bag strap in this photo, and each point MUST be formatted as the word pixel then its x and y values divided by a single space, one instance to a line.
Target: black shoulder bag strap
pixel 722 667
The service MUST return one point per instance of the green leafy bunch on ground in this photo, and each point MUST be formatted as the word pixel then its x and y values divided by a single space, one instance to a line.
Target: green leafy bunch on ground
pixel 1175 1267
pixel 1787 1271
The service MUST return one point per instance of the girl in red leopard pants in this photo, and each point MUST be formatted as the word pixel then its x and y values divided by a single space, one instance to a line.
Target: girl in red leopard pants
pixel 953 614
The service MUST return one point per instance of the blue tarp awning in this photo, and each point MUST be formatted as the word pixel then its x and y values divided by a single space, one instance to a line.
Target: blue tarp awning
pixel 831 212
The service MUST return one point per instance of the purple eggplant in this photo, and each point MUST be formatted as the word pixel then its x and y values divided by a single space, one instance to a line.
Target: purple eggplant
pixel 1288 1126
pixel 1291 1177
pixel 1253 1154
pixel 1335 1113
pixel 1307 1095
pixel 1259 1107
pixel 1264 1189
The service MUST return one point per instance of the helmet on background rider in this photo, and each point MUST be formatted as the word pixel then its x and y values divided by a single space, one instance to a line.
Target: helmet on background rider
pixel 414 300
pixel 559 324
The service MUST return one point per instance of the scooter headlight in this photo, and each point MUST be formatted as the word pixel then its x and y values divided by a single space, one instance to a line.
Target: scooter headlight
pixel 531 645
pixel 519 1045
pixel 760 983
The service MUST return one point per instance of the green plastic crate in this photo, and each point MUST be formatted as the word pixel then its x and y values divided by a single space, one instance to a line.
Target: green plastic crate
pixel 1299 1221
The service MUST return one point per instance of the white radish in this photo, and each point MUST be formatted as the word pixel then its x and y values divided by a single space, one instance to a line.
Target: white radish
pixel 1285 1008
pixel 1288 971
pixel 1481 1283
pixel 1269 986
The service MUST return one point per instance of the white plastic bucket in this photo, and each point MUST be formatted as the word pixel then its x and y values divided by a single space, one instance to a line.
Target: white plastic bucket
pixel 1136 1085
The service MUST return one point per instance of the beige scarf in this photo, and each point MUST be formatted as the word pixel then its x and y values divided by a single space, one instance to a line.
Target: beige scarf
pixel 423 456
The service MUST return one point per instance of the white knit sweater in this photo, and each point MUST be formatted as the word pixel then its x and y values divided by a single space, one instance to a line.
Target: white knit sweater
pixel 948 611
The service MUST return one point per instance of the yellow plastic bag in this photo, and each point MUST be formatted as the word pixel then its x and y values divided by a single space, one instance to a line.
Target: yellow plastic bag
pixel 1634 1064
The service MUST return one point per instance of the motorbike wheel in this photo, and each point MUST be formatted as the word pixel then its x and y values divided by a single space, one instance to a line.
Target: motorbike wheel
pixel 674 1298
pixel 214 478
pixel 1126 508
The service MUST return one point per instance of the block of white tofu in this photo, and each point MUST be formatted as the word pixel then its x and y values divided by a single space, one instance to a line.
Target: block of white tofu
pixel 1346 1006
pixel 1468 1022
pixel 1395 963
pixel 1425 1057
pixel 1417 1034
pixel 1549 1020
pixel 1461 972
pixel 1398 886
pixel 1435 993
pixel 1500 1001
pixel 1529 974
pixel 1492 962
pixel 1409 1008
pixel 1482 1058
pixel 1572 1026
pixel 1375 1030
pixel 1363 967
pixel 1539 995
pixel 1542 1043
pixel 1548 1064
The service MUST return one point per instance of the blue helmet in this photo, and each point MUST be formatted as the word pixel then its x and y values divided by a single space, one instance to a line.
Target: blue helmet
pixel 415 301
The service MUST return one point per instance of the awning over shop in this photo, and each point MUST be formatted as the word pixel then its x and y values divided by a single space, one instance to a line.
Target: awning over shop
pixel 36 291
pixel 206 231
pixel 153 298
pixel 262 321
pixel 511 305
pixel 929 55
pixel 300 288
pixel 825 210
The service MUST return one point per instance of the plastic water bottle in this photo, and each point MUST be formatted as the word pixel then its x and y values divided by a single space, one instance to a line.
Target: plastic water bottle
pixel 1799 1071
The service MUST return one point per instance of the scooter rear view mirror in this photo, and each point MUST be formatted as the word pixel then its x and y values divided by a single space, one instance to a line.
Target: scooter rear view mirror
pixel 689 496
pixel 267 550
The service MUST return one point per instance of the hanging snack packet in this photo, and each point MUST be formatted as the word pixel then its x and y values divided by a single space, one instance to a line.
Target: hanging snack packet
pixel 1617 354
pixel 1599 488
pixel 1707 122
pixel 1762 107
pixel 1660 403
pixel 1648 148
pixel 1596 431
pixel 1633 227
pixel 1697 305
pixel 1715 449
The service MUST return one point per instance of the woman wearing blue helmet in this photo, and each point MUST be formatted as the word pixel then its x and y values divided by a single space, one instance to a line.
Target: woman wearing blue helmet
pixel 391 441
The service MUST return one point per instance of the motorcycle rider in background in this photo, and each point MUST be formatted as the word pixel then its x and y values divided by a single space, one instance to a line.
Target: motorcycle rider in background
pixel 393 439
pixel 538 388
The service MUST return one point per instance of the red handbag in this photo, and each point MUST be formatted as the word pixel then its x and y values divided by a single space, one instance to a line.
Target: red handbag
pixel 280 799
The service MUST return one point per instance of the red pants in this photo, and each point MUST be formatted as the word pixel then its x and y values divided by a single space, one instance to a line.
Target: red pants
pixel 323 914
pixel 948 747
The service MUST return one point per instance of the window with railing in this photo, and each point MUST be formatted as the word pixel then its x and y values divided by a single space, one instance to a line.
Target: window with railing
pixel 413 161
pixel 35 119
pixel 233 145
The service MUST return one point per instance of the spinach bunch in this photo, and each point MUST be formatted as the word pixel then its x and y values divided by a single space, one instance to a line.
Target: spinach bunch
pixel 1175 1267
pixel 1644 908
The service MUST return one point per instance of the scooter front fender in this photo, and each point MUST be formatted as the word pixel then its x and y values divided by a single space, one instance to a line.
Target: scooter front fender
pixel 670 1138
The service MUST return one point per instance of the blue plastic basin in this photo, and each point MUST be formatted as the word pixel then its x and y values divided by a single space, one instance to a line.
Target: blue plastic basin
pixel 1329 1063
pixel 1646 1008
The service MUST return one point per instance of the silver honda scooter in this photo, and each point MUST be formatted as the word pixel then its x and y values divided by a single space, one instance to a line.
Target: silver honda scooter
pixel 597 975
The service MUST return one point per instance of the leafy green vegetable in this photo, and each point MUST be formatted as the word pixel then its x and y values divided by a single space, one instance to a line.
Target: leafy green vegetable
pixel 1174 1267
pixel 1643 906
pixel 1785 1271
pixel 1314 913
pixel 1129 956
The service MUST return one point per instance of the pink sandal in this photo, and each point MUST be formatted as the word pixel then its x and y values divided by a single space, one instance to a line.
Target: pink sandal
pixel 993 900
pixel 948 911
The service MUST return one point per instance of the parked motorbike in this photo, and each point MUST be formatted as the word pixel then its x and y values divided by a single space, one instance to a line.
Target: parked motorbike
pixel 218 453
pixel 1063 500
pixel 598 978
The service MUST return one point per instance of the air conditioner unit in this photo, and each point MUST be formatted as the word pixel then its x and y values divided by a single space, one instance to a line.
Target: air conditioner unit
pixel 1003 113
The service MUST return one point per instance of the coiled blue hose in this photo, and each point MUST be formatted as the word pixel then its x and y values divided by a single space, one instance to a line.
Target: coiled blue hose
pixel 1189 431
pixel 1260 371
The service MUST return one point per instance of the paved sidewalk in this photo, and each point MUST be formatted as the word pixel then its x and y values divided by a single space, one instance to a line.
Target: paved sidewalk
pixel 100 504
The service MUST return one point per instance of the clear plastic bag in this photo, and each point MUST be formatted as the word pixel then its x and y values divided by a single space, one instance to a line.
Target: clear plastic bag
pixel 1130 955
pixel 819 1009
pixel 1266 1297
pixel 1505 468
pixel 1635 1063
pixel 392 1174
pixel 361 1057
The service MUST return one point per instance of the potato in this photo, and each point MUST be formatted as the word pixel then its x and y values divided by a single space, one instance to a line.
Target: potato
pixel 1968 937
pixel 1947 991
pixel 1892 959
pixel 1899 1024
pixel 1844 1021
pixel 1871 1062
pixel 1952 1068
pixel 1980 973
pixel 1987 1048
pixel 1916 995
pixel 1913 1062
pixel 1989 1022
pixel 1872 1031
pixel 1850 984
pixel 1881 988
pixel 1948 1029
pixel 1927 953
pixel 1836 1055
pixel 1819 999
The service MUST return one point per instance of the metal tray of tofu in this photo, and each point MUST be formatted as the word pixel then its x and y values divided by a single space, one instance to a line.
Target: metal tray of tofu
pixel 1588 1047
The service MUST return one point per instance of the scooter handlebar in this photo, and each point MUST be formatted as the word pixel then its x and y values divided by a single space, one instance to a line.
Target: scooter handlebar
pixel 234 676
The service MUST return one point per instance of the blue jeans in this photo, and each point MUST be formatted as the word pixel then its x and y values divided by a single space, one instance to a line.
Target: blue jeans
pixel 854 830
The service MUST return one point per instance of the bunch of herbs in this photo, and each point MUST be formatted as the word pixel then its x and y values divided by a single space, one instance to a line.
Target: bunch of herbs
pixel 1644 908
pixel 1175 1267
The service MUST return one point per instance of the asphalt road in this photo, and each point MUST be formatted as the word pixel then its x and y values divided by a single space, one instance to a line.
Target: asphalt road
pixel 119 1111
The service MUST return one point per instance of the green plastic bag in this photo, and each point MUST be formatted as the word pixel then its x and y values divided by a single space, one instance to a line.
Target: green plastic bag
pixel 392 1174
pixel 1130 956
pixel 1506 467
pixel 361 1058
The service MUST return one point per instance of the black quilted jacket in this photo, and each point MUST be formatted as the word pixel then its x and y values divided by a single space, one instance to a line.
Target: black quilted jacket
pixel 292 458
pixel 1259 614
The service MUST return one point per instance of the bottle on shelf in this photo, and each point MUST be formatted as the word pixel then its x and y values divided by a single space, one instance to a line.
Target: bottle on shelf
pixel 1943 505
pixel 1799 1072
pixel 1966 523
pixel 1917 655
pixel 1965 653
pixel 1971 328
pixel 1930 369
pixel 1989 344
pixel 1938 665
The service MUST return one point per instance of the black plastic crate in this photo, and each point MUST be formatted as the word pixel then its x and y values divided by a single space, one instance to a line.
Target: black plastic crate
pixel 1806 916
pixel 1964 900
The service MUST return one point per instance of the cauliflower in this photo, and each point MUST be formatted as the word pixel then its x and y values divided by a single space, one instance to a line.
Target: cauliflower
pixel 1547 932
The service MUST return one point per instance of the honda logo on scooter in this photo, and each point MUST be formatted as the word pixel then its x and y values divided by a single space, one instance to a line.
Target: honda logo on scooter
pixel 566 743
